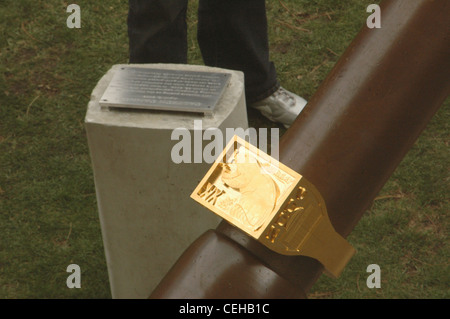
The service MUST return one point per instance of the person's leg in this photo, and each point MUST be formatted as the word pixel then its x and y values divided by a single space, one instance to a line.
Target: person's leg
pixel 232 34
pixel 157 31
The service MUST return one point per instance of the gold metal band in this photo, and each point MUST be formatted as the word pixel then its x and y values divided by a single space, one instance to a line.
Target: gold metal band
pixel 273 204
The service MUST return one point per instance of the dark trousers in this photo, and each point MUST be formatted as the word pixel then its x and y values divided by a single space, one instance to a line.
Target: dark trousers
pixel 232 34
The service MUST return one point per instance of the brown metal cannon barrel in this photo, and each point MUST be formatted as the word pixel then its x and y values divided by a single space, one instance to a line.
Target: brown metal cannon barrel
pixel 348 140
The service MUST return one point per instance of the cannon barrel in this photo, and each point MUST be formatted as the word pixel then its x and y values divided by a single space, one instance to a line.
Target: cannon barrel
pixel 348 140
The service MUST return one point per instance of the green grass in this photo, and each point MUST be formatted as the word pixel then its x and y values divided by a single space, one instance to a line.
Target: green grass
pixel 48 212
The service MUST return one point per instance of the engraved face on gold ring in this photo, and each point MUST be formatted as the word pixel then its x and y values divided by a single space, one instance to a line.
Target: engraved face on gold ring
pixel 244 186
pixel 258 191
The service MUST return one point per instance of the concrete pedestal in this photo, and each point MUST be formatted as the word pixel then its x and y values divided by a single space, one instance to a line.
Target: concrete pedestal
pixel 147 216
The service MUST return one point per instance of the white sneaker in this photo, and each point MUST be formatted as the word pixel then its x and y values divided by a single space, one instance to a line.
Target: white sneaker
pixel 282 107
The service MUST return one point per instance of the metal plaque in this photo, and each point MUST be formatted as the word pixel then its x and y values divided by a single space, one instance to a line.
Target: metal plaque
pixel 166 90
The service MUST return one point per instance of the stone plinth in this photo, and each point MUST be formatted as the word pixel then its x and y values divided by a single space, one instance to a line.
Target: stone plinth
pixel 147 216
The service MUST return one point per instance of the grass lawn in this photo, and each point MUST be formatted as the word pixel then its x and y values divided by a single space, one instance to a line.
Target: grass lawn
pixel 48 209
